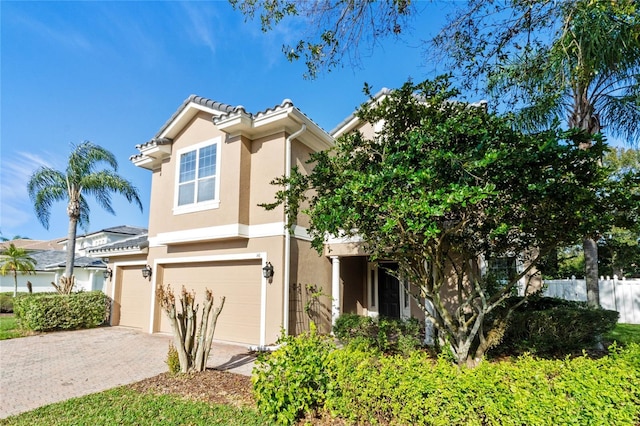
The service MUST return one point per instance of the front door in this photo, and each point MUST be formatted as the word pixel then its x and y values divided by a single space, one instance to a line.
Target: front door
pixel 388 292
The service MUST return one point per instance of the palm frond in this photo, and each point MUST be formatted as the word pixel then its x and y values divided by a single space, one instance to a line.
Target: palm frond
pixel 105 182
pixel 46 186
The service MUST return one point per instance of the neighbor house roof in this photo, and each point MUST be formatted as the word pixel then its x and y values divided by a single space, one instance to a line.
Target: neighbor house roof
pixel 126 246
pixel 54 259
pixel 118 230
pixel 28 244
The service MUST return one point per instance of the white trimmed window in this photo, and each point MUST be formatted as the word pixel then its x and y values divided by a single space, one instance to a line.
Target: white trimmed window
pixel 198 183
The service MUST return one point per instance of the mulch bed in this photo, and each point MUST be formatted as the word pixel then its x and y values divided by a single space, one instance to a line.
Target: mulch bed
pixel 215 387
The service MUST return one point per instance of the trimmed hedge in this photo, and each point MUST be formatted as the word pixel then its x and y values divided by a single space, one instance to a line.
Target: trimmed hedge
pixel 549 326
pixel 367 388
pixel 52 311
pixel 361 385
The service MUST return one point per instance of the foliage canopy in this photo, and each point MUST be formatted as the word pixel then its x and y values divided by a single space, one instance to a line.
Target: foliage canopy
pixel 443 184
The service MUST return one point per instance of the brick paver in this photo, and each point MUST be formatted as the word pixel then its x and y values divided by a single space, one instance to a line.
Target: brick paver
pixel 47 368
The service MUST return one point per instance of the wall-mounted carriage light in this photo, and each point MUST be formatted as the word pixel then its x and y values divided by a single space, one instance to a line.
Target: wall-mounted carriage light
pixel 108 273
pixel 146 271
pixel 267 270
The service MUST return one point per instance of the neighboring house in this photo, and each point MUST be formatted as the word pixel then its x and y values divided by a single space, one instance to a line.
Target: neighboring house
pixel 50 257
pixel 49 267
pixel 86 242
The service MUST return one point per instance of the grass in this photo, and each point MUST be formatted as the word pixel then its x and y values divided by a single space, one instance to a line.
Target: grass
pixel 124 406
pixel 9 328
pixel 625 334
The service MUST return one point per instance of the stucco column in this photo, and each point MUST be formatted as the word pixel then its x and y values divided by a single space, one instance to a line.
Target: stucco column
pixel 336 302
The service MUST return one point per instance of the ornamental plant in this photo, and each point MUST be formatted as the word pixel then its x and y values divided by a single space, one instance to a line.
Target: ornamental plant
pixel 443 184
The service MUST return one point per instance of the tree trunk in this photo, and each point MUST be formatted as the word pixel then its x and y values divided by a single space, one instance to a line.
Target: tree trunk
pixel 591 271
pixel 192 342
pixel 583 117
pixel 15 283
pixel 71 244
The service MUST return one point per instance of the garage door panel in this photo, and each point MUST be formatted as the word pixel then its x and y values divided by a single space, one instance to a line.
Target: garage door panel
pixel 133 298
pixel 240 283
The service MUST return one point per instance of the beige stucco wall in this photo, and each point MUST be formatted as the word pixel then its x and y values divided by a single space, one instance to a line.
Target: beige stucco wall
pixel 367 130
pixel 354 284
pixel 246 168
pixel 267 163
pixel 310 273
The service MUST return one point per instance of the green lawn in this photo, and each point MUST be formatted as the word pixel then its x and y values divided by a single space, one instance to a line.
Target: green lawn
pixel 625 334
pixel 124 406
pixel 9 328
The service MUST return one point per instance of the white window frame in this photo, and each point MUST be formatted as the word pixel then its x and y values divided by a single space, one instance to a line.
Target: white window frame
pixel 205 205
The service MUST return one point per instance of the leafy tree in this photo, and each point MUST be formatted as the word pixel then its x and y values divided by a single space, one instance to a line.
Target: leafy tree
pixel 576 60
pixel 336 28
pixel 14 260
pixel 441 185
pixel 619 251
pixel 619 247
pixel 81 178
pixel 618 244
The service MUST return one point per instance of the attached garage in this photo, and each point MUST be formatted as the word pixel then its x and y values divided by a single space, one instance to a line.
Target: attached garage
pixel 240 281
pixel 132 299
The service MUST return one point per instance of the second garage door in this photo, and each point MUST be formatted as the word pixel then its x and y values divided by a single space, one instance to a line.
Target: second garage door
pixel 239 281
pixel 132 305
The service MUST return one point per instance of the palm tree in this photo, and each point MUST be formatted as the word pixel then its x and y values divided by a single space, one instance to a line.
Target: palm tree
pixel 81 178
pixel 16 260
pixel 590 73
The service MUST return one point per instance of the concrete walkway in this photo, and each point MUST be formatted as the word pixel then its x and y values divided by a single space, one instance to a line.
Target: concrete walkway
pixel 53 367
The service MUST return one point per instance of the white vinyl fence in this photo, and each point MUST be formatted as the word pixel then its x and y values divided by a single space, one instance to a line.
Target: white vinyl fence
pixel 620 295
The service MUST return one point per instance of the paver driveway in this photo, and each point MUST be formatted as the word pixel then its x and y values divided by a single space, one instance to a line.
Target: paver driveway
pixel 52 367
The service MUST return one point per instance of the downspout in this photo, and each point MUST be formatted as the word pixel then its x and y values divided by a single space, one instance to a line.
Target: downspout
pixel 287 236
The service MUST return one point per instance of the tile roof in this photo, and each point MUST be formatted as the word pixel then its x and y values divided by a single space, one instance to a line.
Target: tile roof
pixel 122 230
pixel 51 259
pixel 286 103
pixel 225 108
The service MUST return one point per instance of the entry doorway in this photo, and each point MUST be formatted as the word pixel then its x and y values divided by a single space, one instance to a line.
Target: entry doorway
pixel 388 292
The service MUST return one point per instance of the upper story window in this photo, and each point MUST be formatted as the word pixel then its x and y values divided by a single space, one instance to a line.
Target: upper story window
pixel 198 183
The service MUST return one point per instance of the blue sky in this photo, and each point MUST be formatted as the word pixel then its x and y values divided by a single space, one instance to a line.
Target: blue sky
pixel 114 72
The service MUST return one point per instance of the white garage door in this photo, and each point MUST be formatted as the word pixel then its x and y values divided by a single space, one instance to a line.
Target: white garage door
pixel 132 298
pixel 239 281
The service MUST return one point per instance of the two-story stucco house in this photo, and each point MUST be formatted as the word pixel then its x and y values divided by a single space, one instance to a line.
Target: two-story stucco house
pixel 211 166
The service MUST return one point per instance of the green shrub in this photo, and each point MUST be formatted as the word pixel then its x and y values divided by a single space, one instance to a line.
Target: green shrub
pixel 369 388
pixel 6 302
pixel 293 379
pixel 549 326
pixel 173 360
pixel 52 311
pixel 389 335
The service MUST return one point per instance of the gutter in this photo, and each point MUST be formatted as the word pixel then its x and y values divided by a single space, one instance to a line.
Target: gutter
pixel 287 237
